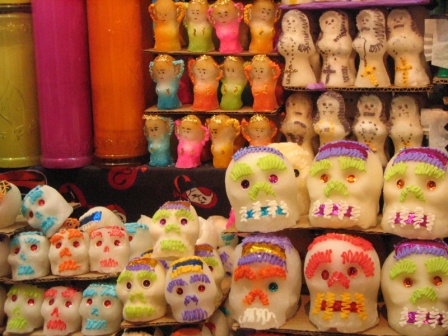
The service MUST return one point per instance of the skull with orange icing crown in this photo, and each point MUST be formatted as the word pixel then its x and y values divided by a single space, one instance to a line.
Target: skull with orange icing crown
pixel 342 273
pixel 266 282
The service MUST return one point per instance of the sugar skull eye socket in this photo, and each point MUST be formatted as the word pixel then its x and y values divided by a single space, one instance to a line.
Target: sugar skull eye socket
pixel 325 275
pixel 30 302
pixel 324 178
pixel 128 285
pixel 68 304
pixel 351 178
pixel 431 185
pixel 41 202
pixel 33 247
pixel 14 298
pixel 58 245
pixel 201 288
pixel 211 268
pixel 273 287
pixel 130 238
pixel 107 303
pixel 437 280
pixel 117 242
pixel 407 282
pixel 17 250
pixel 162 221
pixel 179 291
pixel 89 302
pixel 146 283
pixel 245 184
pixel 352 271
pixel 400 184
pixel 273 178
pixel 99 243
pixel 51 302
pixel 30 214
pixel 184 221
pixel 76 243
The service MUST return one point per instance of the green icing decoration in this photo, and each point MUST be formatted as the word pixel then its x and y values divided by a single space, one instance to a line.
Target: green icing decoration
pixel 185 213
pixel 17 323
pixel 417 191
pixel 161 214
pixel 405 266
pixel 319 166
pixel 349 162
pixel 261 186
pixel 137 297
pixel 172 227
pixel 437 265
pixel 423 168
pixel 338 186
pixel 143 275
pixel 125 276
pixel 427 292
pixel 240 170
pixel 210 261
pixel 270 162
pixel 172 245
pixel 138 312
pixel 396 169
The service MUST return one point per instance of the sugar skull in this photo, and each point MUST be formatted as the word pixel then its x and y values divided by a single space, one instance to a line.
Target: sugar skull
pixel 344 184
pixel 190 290
pixel 98 217
pixel 143 331
pixel 415 193
pixel 141 288
pixel 342 273
pixel 175 230
pixel 100 310
pixel 258 184
pixel 10 201
pixel 69 253
pixel 414 283
pixel 2 305
pixel 28 255
pixel 227 254
pixel 45 209
pixel 192 330
pixel 108 249
pixel 139 238
pixel 5 268
pixel 22 306
pixel 266 282
pixel 211 257
pixel 60 311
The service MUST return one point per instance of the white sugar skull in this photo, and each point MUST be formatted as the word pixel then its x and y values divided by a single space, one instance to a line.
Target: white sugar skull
pixel 28 255
pixel 45 209
pixel 342 273
pixel 175 230
pixel 5 268
pixel 2 305
pixel 69 253
pixel 60 311
pixel 190 290
pixel 415 193
pixel 10 201
pixel 345 184
pixel 258 184
pixel 140 239
pixel 108 249
pixel 22 306
pixel 414 283
pixel 211 257
pixel 209 233
pixel 100 310
pixel 98 217
pixel 141 289
pixel 266 282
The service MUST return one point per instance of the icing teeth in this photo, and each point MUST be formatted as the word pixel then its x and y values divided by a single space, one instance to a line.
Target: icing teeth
pixel 423 316
pixel 340 210
pixel 258 211
pixel 405 217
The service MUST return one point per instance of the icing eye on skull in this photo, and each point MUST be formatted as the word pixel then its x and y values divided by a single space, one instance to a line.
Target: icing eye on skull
pixel 146 283
pixel 351 178
pixel 89 302
pixel 431 185
pixel 400 183
pixel 30 302
pixel 245 184
pixel 437 280
pixel 352 272
pixel 117 242
pixel 324 178
pixel 107 303
pixel 162 221
pixel 184 221
pixel 99 243
pixel 325 274
pixel 408 282
pixel 179 291
pixel 273 287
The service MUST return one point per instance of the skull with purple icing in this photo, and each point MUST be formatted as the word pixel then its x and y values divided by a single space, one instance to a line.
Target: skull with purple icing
pixel 45 209
pixel 415 194
pixel 22 306
pixel 345 184
pixel 414 283
pixel 10 201
pixel 175 230
pixel 259 184
pixel 266 282
pixel 60 311
pixel 190 289
pixel 141 288
pixel 342 273
pixel 28 255
pixel 69 253
pixel 100 310
pixel 108 249
pixel 213 260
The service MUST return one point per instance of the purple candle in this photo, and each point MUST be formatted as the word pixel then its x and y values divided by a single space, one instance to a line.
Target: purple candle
pixel 62 66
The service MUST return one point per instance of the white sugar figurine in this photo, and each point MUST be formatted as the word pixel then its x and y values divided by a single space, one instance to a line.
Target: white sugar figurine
pixel 405 46
pixel 370 44
pixel 335 47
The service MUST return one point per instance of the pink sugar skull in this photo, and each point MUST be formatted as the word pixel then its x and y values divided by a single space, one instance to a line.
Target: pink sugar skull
pixel 28 255
pixel 22 307
pixel 141 289
pixel 100 310
pixel 190 290
pixel 342 273
pixel 414 283
pixel 344 184
pixel 45 209
pixel 175 230
pixel 259 184
pixel 5 268
pixel 69 253
pixel 266 282
pixel 60 311
pixel 108 249
pixel 10 201
pixel 98 217
pixel 415 194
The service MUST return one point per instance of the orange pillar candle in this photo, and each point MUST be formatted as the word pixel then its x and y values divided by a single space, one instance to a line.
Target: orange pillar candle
pixel 116 65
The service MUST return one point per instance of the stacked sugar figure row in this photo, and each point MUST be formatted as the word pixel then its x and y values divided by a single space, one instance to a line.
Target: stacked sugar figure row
pixel 327 58
pixel 217 86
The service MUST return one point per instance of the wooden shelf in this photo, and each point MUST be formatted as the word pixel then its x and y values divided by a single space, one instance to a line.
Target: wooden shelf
pixel 355 4
pixel 215 53
pixel 186 109
pixel 427 88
